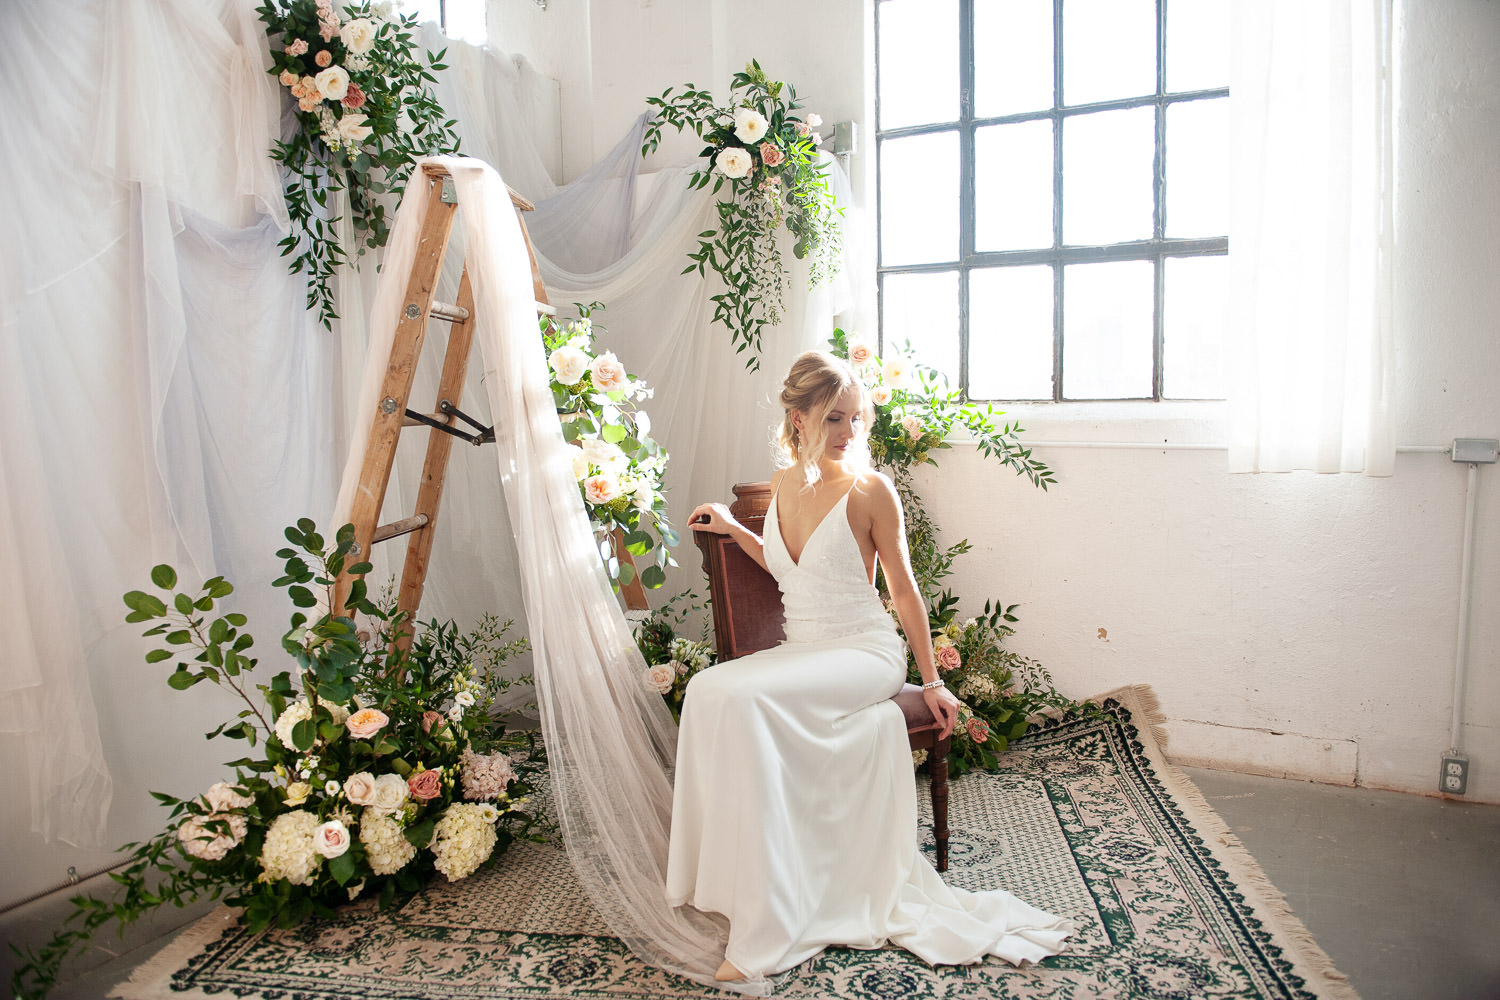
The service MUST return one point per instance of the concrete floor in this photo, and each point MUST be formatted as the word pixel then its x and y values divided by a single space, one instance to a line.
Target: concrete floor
pixel 1402 891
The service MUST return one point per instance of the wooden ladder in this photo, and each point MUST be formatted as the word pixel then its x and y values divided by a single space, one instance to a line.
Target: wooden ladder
pixel 392 413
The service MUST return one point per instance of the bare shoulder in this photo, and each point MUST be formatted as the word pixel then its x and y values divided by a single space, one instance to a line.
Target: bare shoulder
pixel 876 494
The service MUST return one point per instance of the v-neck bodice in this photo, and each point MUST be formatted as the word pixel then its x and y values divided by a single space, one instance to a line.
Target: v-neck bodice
pixel 825 592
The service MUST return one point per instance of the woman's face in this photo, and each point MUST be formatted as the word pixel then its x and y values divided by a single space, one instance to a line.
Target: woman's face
pixel 844 422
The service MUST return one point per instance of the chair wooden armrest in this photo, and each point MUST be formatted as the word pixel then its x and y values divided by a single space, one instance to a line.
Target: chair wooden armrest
pixel 748 617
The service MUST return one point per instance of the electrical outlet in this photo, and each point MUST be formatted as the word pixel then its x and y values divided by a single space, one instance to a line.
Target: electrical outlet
pixel 1454 779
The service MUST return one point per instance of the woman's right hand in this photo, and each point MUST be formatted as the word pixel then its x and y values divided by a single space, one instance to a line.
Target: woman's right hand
pixel 712 517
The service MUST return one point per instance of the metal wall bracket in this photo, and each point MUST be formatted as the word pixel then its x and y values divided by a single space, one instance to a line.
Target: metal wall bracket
pixel 450 193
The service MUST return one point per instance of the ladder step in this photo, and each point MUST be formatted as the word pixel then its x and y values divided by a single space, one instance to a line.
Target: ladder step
pixel 546 308
pixel 395 529
pixel 449 312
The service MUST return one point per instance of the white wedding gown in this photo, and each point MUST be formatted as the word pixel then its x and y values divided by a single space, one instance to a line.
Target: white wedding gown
pixel 795 811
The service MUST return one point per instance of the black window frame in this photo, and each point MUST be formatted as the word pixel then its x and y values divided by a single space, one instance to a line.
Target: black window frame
pixel 1156 250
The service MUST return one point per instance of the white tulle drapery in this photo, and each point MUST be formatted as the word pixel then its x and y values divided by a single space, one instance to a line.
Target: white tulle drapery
pixel 166 397
pixel 1312 351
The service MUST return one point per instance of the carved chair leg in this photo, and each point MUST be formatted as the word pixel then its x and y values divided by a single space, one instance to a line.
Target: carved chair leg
pixel 939 771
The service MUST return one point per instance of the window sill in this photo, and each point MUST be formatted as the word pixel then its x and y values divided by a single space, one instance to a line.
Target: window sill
pixel 1190 424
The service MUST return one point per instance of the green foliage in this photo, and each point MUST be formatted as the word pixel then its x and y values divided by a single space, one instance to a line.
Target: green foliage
pixel 434 699
pixel 782 183
pixel 656 636
pixel 391 96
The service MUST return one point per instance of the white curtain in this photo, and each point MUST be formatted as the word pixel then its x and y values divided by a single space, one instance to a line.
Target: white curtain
pixel 1311 356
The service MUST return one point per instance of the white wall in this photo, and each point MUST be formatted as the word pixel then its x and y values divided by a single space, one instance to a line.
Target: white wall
pixel 1293 624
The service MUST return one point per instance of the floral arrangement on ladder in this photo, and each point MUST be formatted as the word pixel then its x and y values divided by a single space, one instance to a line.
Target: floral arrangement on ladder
pixel 379 763
pixel 364 110
pixel 763 156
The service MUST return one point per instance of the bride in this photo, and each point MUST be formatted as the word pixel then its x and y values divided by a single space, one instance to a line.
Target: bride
pixel 794 811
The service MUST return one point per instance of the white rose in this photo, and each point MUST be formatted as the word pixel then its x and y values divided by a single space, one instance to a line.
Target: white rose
pixel 390 792
pixel 332 839
pixel 603 454
pixel 733 162
pixel 358 35
pixel 381 10
pixel 643 496
pixel 580 464
pixel 332 83
pixel 880 395
pixel 608 374
pixel 354 129
pixel 749 125
pixel 898 371
pixel 359 788
pixel 814 120
pixel 569 363
pixel 659 677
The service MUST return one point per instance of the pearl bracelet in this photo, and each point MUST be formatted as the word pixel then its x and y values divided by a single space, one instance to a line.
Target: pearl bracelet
pixel 930 685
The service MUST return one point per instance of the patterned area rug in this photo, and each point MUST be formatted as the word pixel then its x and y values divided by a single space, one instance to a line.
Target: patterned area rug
pixel 1086 820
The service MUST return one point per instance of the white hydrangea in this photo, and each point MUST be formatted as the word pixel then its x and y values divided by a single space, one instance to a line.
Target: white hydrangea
pixel 300 711
pixel 978 686
pixel 386 847
pixel 462 841
pixel 289 852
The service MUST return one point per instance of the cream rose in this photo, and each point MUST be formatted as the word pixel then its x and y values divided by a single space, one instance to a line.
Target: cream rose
pixel 608 373
pixel 390 792
pixel 366 723
pixel 603 454
pixel 297 793
pixel 814 120
pixel 569 364
pixel 358 35
pixel 660 677
pixel 359 788
pixel 749 125
pixel 332 83
pixel 644 496
pixel 600 489
pixel 354 129
pixel 332 839
pixel 898 372
pixel 580 464
pixel 880 395
pixel 733 162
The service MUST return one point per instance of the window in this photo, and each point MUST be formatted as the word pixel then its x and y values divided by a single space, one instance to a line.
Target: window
pixel 460 19
pixel 1053 194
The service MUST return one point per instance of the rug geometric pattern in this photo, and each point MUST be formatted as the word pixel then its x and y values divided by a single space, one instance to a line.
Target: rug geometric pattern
pixel 1085 819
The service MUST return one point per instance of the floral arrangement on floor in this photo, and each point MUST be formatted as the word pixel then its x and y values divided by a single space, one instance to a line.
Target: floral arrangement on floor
pixel 364 111
pixel 999 691
pixel 671 660
pixel 376 768
pixel 764 157
pixel 618 466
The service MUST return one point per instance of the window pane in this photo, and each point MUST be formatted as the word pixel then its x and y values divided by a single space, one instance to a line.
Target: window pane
pixel 1195 316
pixel 1012 56
pixel 1013 186
pixel 1109 50
pixel 919 199
pixel 922 308
pixel 1010 333
pixel 1107 329
pixel 1197 44
pixel 918 62
pixel 1107 176
pixel 1197 170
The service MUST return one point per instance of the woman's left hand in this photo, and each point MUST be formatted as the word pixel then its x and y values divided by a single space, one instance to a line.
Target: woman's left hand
pixel 943 705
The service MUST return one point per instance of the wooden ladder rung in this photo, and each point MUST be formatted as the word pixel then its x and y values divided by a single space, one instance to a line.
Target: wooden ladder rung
pixel 396 529
pixel 546 308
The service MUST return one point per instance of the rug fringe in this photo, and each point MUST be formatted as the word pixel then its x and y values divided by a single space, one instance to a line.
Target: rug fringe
pixel 1243 869
pixel 152 979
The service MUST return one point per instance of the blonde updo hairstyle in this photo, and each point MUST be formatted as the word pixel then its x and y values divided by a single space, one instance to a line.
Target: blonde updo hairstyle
pixel 813 387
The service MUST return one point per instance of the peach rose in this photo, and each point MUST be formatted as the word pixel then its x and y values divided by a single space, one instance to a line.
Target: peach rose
pixel 323 58
pixel 948 658
pixel 913 426
pixel 601 489
pixel 979 730
pixel 608 373
pixel 366 723
pixel 331 839
pixel 297 47
pixel 287 78
pixel 880 395
pixel 861 354
pixel 425 785
pixel 770 155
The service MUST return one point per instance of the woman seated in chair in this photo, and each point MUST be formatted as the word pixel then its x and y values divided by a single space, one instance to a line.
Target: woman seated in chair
pixel 794 811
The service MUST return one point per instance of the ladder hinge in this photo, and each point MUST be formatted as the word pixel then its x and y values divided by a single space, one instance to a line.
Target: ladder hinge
pixel 450 193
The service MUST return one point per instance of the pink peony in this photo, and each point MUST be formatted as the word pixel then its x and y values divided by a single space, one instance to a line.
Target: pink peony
pixel 425 785
pixel 608 373
pixel 366 723
pixel 979 730
pixel 323 58
pixel 948 658
pixel 297 47
pixel 770 155
pixel 354 98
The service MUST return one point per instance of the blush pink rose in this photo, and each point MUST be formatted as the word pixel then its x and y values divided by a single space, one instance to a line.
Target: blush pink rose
pixel 948 658
pixel 297 47
pixel 861 354
pixel 360 788
pixel 608 373
pixel 770 155
pixel 323 58
pixel 430 719
pixel 913 426
pixel 354 98
pixel 331 839
pixel 979 730
pixel 366 723
pixel 659 677
pixel 599 490
pixel 425 785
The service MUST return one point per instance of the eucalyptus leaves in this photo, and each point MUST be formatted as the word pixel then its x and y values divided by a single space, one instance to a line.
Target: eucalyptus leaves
pixel 764 157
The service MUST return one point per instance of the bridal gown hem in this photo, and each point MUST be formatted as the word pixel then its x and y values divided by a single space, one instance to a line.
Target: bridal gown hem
pixel 795 810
